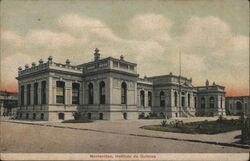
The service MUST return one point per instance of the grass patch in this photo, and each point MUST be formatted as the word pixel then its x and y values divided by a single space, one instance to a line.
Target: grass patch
pixel 201 127
pixel 77 121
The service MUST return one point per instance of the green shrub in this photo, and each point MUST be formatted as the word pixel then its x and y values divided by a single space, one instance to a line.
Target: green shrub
pixel 164 123
pixel 142 116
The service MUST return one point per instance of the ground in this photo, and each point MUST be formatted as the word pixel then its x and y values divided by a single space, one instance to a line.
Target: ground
pixel 124 136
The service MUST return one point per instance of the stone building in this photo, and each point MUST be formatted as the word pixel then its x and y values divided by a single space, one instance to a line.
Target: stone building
pixel 109 89
pixel 8 103
pixel 237 104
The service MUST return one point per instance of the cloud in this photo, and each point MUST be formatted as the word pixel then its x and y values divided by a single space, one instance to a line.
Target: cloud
pixel 210 50
pixel 86 26
pixel 49 39
pixel 150 26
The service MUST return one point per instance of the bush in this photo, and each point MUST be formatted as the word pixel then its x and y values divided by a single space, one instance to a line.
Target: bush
pixel 141 115
pixel 221 119
pixel 164 123
pixel 77 115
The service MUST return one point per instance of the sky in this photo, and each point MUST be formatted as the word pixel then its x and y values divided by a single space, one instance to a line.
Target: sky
pixel 211 35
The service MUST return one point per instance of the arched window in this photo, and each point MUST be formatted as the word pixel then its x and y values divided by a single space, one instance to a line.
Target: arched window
pixel 34 116
pixel 22 95
pixel 60 92
pixel 28 94
pixel 42 116
pixel 43 92
pixel 124 93
pixel 203 102
pixel 91 93
pixel 142 98
pixel 162 99
pixel 75 93
pixel 239 106
pixel 35 93
pixel 188 100
pixel 175 98
pixel 149 99
pixel 211 102
pixel 102 92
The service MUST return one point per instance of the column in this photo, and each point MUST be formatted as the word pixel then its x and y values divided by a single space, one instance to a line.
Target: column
pixel 39 93
pixel 81 93
pixel 32 93
pixel 146 98
pixel 68 92
pixel 96 92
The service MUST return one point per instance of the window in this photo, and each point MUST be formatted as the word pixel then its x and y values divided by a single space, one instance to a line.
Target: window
pixel 43 92
pixel 21 115
pixel 150 99
pixel 142 98
pixel 34 116
pixel 195 105
pixel 22 95
pixel 42 116
pixel 35 93
pixel 221 102
pixel 124 93
pixel 89 116
pixel 203 104
pixel 91 93
pixel 60 93
pixel 101 116
pixel 175 98
pixel 75 93
pixel 61 116
pixel 188 100
pixel 211 100
pixel 27 116
pixel 239 106
pixel 102 92
pixel 162 99
pixel 28 94
pixel 125 117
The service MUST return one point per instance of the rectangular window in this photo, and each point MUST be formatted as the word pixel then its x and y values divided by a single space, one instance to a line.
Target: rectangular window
pixel 75 93
pixel 60 92
pixel 149 99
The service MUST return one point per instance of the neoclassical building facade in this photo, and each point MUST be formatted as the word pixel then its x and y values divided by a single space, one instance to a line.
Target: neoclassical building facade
pixel 110 89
